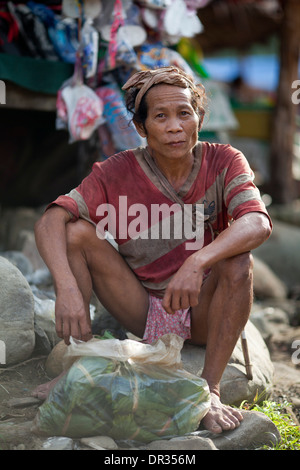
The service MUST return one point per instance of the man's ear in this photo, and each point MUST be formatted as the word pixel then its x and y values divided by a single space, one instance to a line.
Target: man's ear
pixel 201 119
pixel 140 128
pixel 200 123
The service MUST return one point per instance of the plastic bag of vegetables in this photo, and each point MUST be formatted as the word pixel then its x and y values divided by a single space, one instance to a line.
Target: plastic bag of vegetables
pixel 126 390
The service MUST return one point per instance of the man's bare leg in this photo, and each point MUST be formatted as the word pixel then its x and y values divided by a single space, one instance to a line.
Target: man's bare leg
pixel 97 265
pixel 217 322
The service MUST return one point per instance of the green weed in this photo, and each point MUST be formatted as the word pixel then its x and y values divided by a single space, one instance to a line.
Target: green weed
pixel 279 414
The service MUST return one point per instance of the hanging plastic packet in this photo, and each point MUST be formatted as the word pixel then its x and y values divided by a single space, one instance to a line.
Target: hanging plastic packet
pixel 123 132
pixel 73 8
pixel 106 16
pixel 32 30
pixel 65 39
pixel 123 32
pixel 107 146
pixel 117 22
pixel 132 29
pixel 63 33
pixel 126 54
pixel 177 60
pixel 180 22
pixel 156 4
pixel 152 55
pixel 84 111
pixel 150 18
pixel 194 5
pixel 61 111
pixel 89 49
pixel 78 107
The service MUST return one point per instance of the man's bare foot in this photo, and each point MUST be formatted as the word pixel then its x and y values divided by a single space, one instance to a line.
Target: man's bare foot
pixel 221 417
pixel 42 391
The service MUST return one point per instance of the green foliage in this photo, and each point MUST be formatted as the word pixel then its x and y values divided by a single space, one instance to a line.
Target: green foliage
pixel 279 414
pixel 123 400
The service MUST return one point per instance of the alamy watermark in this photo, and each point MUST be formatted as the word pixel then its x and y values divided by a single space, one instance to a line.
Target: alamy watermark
pixel 2 92
pixel 296 354
pixel 296 94
pixel 160 221
pixel 2 352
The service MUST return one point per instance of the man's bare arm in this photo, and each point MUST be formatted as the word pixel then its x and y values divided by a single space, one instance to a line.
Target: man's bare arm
pixel 51 240
pixel 244 235
pixel 50 236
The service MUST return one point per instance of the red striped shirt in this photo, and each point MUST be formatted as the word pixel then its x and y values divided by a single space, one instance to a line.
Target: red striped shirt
pixel 221 180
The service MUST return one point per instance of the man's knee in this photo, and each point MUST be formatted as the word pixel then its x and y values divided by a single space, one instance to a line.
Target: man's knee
pixel 237 270
pixel 78 234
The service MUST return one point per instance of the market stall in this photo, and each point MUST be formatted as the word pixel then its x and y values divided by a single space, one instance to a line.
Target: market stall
pixel 82 51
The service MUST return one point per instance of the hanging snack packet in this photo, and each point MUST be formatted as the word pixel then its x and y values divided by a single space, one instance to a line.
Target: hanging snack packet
pixel 84 111
pixel 118 121
pixel 180 22
pixel 79 109
pixel 89 48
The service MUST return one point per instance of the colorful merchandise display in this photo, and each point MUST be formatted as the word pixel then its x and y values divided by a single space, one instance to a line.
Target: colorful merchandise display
pixel 106 41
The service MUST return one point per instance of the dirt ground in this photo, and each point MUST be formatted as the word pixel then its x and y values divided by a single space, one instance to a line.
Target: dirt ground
pixel 18 381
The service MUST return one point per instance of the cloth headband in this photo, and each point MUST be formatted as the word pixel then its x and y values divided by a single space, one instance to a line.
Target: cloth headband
pixel 146 79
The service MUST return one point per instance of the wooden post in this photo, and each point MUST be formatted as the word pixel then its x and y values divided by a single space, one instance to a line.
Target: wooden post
pixel 282 186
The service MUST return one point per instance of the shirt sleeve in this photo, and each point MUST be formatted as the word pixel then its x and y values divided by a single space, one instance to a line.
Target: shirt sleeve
pixel 82 202
pixel 241 195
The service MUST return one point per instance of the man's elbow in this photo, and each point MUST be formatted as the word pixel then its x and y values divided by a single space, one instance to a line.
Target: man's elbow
pixel 265 227
pixel 51 218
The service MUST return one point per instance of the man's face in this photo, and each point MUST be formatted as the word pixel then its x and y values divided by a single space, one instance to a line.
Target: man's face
pixel 171 127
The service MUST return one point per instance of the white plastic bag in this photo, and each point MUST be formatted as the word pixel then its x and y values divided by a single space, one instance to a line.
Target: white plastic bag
pixel 84 110
pixel 127 390
pixel 165 352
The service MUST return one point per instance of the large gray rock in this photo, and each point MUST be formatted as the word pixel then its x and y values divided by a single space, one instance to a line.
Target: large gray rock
pixel 44 324
pixel 266 284
pixel 183 443
pixel 255 431
pixel 13 221
pixel 269 321
pixel 27 245
pixel 18 259
pixel 235 387
pixel 281 253
pixel 16 313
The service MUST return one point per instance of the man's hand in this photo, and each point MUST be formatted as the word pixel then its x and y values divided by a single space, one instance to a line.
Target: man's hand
pixel 71 316
pixel 184 288
pixel 245 234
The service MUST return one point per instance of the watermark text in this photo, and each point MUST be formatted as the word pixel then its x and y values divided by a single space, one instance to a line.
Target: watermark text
pixel 296 354
pixel 159 221
pixel 2 352
pixel 2 92
pixel 296 93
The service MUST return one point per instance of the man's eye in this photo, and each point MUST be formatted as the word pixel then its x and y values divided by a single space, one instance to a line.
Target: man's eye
pixel 160 115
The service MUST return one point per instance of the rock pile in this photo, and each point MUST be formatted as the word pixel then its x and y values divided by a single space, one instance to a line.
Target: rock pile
pixel 16 313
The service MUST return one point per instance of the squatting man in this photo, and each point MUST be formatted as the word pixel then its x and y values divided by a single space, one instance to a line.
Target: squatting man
pixel 157 286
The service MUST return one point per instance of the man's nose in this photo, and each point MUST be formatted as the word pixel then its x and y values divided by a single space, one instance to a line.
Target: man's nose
pixel 174 125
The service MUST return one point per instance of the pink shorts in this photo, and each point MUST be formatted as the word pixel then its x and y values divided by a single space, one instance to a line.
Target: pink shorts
pixel 160 323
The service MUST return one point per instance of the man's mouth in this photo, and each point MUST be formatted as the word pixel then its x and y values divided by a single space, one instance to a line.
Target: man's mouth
pixel 175 143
